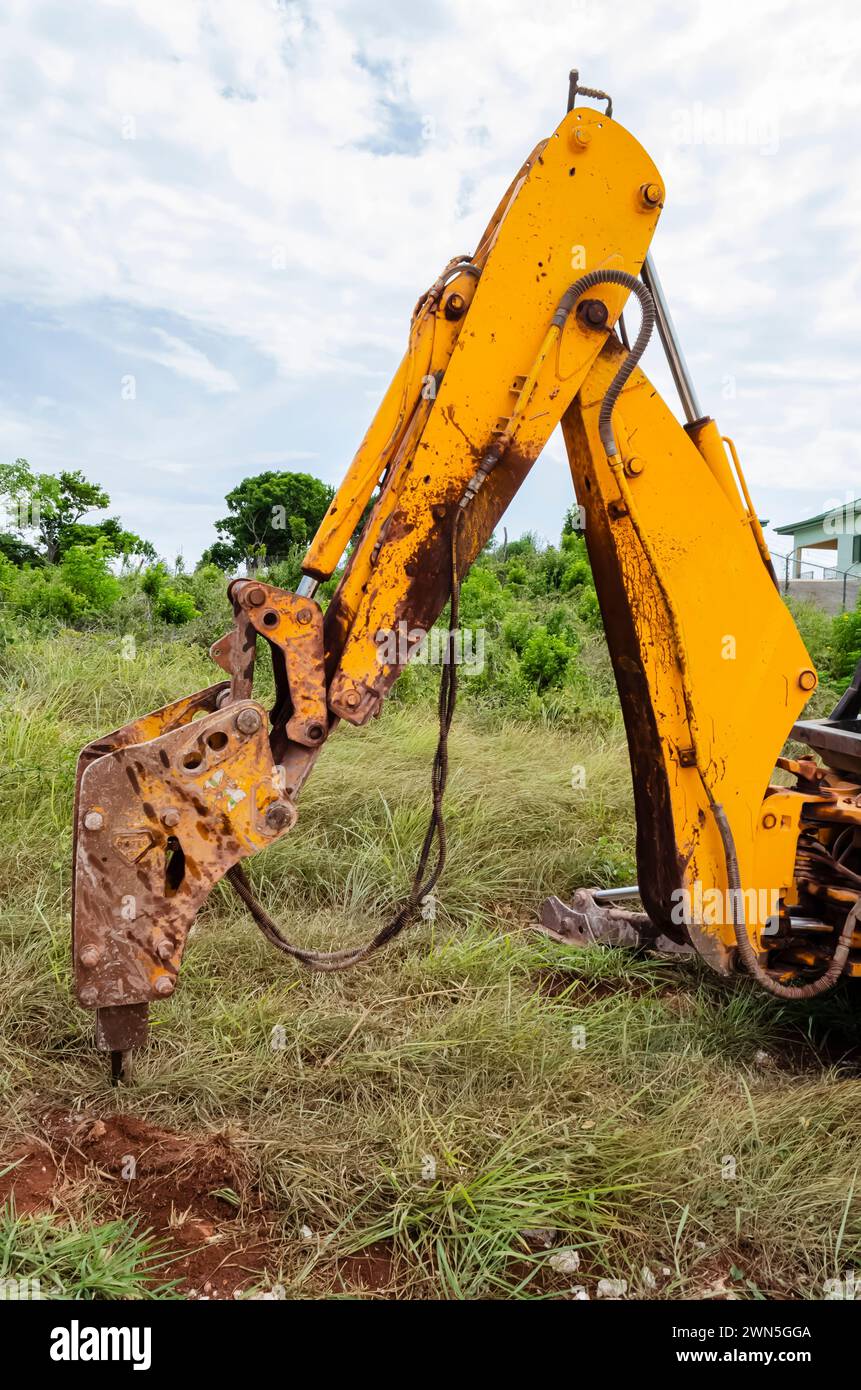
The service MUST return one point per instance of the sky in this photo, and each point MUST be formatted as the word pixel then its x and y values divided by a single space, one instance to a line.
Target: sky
pixel 215 218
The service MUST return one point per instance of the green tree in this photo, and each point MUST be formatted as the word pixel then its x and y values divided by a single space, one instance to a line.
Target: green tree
pixel 47 504
pixel 269 513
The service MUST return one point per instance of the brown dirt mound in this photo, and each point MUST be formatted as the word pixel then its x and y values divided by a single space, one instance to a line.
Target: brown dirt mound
pixel 188 1190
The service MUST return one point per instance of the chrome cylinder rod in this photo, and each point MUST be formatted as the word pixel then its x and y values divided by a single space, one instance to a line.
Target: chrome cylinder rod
pixel 671 344
pixel 614 895
pixel 307 587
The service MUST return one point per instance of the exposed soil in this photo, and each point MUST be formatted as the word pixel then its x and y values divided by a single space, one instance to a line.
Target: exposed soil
pixel 170 1182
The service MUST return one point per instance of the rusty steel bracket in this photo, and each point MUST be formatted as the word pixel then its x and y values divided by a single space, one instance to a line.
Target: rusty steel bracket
pixel 293 627
pixel 164 807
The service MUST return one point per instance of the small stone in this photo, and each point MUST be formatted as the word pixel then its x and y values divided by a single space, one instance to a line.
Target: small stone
pixel 565 1261
pixel 540 1238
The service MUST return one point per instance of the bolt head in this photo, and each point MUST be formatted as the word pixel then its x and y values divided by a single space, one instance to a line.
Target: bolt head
pixel 170 817
pixel 256 597
pixel 163 985
pixel 651 194
pixel 581 138
pixel 351 699
pixel 808 680
pixel 455 306
pixel 90 956
pixel 164 950
pixel 248 721
pixel 279 816
pixel 769 820
pixel 88 996
pixel 304 615
pixel 94 820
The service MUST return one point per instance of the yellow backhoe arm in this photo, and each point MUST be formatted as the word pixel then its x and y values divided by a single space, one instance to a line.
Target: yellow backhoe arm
pixel 711 671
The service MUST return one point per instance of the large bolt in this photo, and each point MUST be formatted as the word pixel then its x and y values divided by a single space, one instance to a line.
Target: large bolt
pixel 170 818
pixel 248 721
pixel 304 615
pixel 279 816
pixel 651 194
pixel 256 597
pixel 455 307
pixel 90 956
pixel 593 312
pixel 581 138
pixel 163 985
pixel 164 950
pixel 807 680
pixel 94 820
pixel 351 699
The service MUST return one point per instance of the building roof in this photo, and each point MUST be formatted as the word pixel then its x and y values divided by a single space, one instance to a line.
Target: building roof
pixel 793 526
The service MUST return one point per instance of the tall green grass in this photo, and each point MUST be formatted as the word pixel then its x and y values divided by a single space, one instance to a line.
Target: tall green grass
pixel 473 1082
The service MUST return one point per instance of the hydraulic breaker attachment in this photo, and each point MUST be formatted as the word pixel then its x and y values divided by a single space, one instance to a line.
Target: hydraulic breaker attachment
pixel 588 923
pixel 167 805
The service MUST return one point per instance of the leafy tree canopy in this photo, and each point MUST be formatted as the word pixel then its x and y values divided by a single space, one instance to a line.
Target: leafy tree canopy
pixel 269 513
pixel 49 509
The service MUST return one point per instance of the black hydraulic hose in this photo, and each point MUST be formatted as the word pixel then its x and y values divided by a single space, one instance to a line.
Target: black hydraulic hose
pixel 829 977
pixel 647 323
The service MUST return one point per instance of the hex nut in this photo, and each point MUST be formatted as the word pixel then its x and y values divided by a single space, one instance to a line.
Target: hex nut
pixel 90 956
pixel 163 985
pixel 170 817
pixel 94 820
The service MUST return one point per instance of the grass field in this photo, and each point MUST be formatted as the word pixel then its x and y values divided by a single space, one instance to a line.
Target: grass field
pixel 396 1130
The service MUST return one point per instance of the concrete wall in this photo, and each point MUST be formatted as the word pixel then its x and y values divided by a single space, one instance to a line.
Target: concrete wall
pixel 827 594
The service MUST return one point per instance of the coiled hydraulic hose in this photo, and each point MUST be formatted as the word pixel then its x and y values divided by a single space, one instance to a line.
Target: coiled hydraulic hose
pixel 647 323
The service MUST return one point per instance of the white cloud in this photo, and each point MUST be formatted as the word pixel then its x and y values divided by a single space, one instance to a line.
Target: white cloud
pixel 188 362
pixel 263 189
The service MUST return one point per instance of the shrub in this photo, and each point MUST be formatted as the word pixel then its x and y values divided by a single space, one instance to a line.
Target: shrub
pixel 845 649
pixel 175 607
pixel 482 598
pixel 153 579
pixel 516 629
pixel 85 570
pixel 545 659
